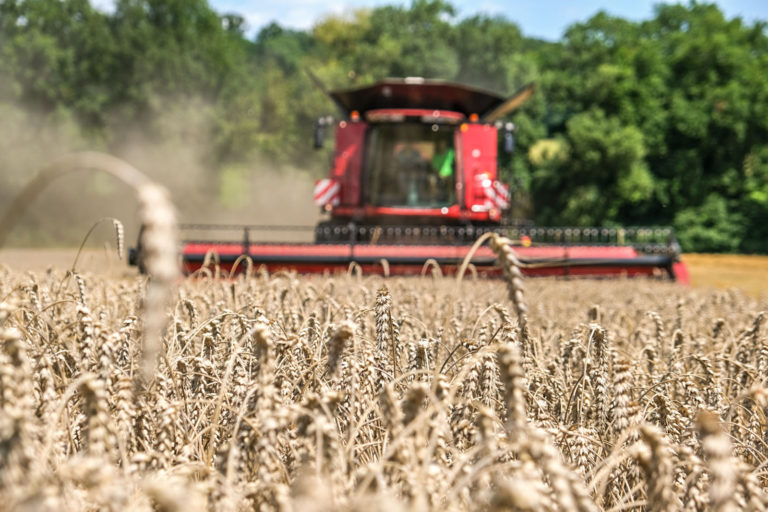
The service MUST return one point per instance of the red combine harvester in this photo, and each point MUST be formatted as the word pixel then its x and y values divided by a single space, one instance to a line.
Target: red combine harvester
pixel 415 179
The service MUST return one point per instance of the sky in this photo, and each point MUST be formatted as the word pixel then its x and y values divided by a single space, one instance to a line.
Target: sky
pixel 546 19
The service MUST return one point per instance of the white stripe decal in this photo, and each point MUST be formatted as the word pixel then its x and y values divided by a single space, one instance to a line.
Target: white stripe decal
pixel 497 195
pixel 328 193
pixel 321 186
pixel 331 197
pixel 502 194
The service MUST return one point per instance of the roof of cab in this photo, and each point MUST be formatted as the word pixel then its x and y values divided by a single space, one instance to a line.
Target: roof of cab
pixel 421 93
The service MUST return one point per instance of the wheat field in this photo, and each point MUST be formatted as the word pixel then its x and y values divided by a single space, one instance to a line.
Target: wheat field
pixel 286 392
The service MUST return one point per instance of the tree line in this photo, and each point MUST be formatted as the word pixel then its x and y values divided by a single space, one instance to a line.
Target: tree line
pixel 655 122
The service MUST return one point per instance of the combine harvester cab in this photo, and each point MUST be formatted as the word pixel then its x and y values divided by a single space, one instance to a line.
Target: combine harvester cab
pixel 415 179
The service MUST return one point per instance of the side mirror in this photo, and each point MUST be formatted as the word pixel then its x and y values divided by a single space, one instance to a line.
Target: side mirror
pixel 509 138
pixel 320 125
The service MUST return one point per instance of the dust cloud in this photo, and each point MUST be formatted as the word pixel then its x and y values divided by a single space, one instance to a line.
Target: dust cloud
pixel 174 151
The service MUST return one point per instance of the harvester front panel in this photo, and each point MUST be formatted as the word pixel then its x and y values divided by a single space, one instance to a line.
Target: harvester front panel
pixel 348 161
pixel 477 148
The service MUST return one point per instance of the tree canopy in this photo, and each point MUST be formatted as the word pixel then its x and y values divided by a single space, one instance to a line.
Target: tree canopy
pixel 661 121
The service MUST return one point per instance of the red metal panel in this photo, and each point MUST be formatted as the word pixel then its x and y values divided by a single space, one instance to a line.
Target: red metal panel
pixel 577 251
pixel 426 251
pixel 348 161
pixel 261 250
pixel 409 214
pixel 458 142
pixel 550 261
pixel 419 251
pixel 681 273
pixel 410 270
pixel 477 146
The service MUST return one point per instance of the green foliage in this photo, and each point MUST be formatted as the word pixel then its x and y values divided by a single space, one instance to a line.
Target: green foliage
pixel 392 41
pixel 663 121
pixel 603 170
pixel 712 225
pixel 687 82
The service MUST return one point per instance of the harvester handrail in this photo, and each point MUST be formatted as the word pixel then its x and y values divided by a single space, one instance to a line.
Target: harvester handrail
pixel 644 239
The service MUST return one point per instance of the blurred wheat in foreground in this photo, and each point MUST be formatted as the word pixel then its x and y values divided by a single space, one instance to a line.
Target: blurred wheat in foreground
pixel 290 393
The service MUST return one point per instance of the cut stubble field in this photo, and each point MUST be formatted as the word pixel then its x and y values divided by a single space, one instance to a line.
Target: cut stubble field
pixel 747 272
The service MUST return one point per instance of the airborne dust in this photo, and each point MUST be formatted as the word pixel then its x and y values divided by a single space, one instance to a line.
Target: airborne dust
pixel 175 150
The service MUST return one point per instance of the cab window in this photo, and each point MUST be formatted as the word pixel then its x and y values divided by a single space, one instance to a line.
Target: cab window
pixel 411 165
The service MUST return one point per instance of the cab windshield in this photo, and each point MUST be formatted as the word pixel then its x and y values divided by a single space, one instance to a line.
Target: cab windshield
pixel 411 165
